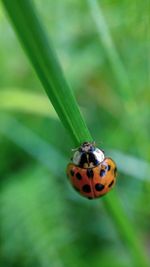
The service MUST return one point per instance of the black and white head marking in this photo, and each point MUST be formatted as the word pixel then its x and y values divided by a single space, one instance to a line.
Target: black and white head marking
pixel 88 156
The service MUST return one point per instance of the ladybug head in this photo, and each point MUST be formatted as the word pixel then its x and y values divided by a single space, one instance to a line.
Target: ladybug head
pixel 88 156
pixel 87 147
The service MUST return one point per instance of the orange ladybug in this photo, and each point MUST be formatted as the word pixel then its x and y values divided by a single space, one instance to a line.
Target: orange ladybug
pixel 90 173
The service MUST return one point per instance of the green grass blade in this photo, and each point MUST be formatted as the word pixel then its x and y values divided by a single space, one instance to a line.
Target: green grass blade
pixel 109 47
pixel 32 143
pixel 126 230
pixel 40 52
pixel 13 99
pixel 42 152
pixel 123 160
pixel 124 86
pixel 35 42
pixel 25 101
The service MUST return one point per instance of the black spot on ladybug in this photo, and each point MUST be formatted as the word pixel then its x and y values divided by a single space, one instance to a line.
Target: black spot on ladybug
pixel 86 188
pixel 77 189
pixel 102 173
pixel 108 168
pixel 111 183
pixel 90 173
pixel 99 187
pixel 115 171
pixel 90 197
pixel 72 173
pixel 78 175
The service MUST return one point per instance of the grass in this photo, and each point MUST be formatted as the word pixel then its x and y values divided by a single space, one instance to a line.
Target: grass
pixel 26 102
pixel 110 49
pixel 42 152
pixel 33 38
pixel 44 60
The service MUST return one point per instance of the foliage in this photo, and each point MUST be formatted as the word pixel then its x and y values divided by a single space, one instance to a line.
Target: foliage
pixel 44 222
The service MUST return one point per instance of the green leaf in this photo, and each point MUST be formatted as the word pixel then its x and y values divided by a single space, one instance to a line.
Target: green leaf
pixel 35 42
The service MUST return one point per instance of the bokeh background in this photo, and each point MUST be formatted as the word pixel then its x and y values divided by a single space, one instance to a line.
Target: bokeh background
pixel 105 55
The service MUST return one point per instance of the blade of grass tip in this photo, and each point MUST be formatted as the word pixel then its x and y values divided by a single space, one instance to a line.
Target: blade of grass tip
pixel 42 152
pixel 110 49
pixel 41 54
pixel 26 101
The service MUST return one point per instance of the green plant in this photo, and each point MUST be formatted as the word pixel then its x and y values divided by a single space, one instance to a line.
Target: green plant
pixel 44 60
pixel 42 56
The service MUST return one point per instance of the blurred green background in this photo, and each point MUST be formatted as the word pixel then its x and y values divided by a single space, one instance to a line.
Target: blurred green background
pixel 105 56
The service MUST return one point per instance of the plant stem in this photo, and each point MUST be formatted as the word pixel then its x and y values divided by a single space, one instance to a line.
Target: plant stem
pixel 126 229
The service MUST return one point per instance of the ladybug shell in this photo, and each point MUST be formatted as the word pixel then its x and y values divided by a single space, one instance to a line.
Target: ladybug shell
pixel 93 182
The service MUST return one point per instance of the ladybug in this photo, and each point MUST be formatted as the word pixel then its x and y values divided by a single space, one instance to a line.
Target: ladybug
pixel 90 173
